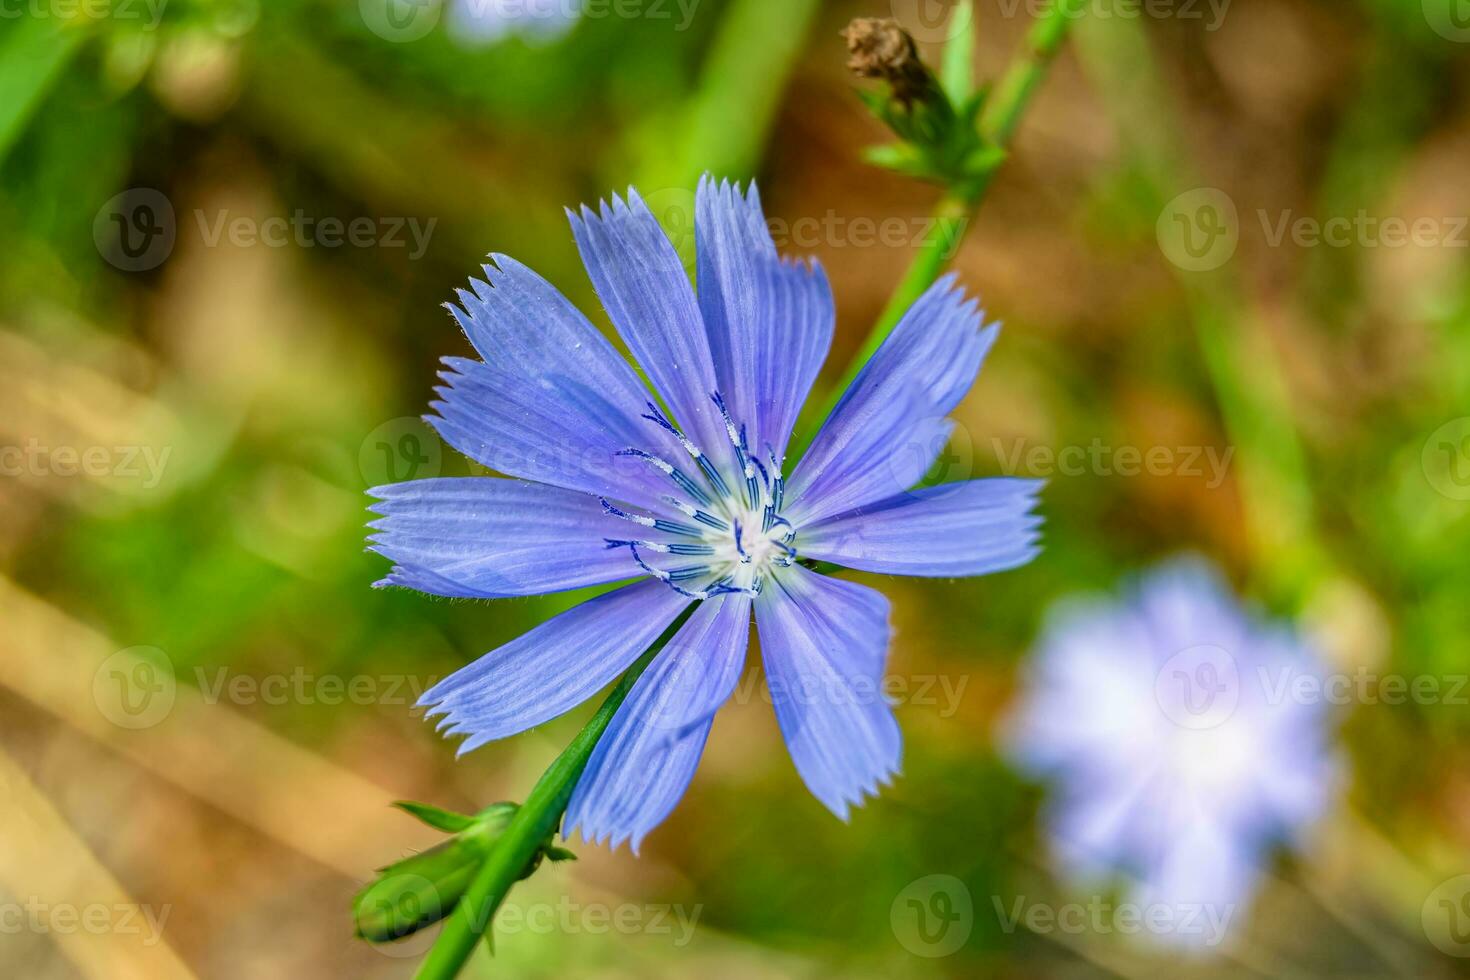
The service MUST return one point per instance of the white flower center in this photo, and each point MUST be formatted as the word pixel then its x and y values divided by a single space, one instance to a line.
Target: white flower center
pixel 735 534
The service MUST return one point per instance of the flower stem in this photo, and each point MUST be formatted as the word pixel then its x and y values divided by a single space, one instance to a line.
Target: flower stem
pixel 1006 105
pixel 1002 114
pixel 527 831
pixel 723 126
pixel 951 216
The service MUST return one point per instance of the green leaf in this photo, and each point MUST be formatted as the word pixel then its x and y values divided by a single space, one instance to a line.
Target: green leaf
pixel 445 820
pixel 901 158
pixel 969 109
pixel 980 161
pixel 891 156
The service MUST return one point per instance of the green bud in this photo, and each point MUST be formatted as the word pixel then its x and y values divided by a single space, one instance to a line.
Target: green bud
pixel 879 48
pixel 936 123
pixel 424 888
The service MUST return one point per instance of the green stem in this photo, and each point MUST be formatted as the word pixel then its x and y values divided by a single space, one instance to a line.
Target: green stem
pixel 723 125
pixel 528 829
pixel 1006 105
pixel 952 216
pixel 740 86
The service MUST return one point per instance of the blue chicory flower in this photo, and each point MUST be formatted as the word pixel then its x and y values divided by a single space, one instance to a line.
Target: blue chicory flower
pixel 690 498
pixel 1181 754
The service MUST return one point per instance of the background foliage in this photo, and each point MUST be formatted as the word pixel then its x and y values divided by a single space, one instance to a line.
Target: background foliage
pixel 266 381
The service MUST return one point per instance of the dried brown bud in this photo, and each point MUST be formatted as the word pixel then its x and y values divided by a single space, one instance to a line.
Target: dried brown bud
pixel 882 49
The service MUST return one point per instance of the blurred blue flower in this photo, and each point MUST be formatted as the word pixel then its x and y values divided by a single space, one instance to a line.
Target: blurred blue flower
pixel 480 22
pixel 1178 751
pixel 690 497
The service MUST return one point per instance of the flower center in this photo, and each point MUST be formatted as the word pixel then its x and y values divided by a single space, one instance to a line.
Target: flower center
pixel 735 534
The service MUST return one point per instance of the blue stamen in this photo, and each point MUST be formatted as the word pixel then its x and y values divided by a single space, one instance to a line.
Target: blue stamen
pixel 670 470
pixel 716 588
pixel 765 475
pixel 690 487
pixel 635 518
pixel 742 449
pixel 703 517
pixel 713 506
pixel 657 417
pixel 658 523
pixel 710 473
pixel 711 520
pixel 676 548
pixel 778 485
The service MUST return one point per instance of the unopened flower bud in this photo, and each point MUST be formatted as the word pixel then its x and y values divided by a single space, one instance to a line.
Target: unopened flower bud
pixel 879 48
pixel 424 888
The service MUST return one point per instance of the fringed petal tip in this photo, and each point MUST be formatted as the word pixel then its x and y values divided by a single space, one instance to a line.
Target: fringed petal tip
pixel 423 582
pixel 553 668
pixel 989 334
pixel 808 265
pixel 952 300
pixel 608 209
pixel 645 760
pixel 395 577
pixel 951 530
pixel 842 807
pixel 610 839
pixel 451 723
pixel 1032 523
pixel 824 642
pixel 726 192
pixel 387 495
